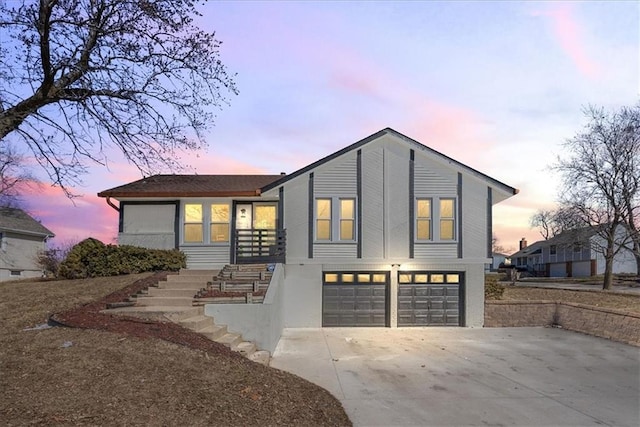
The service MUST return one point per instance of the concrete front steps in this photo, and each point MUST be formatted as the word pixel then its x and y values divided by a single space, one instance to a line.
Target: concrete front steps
pixel 205 325
pixel 173 300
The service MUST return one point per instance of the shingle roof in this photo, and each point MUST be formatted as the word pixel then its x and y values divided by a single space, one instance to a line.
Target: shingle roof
pixel 193 186
pixel 17 220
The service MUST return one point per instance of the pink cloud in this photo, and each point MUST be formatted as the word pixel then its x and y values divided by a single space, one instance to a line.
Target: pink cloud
pixel 71 222
pixel 569 33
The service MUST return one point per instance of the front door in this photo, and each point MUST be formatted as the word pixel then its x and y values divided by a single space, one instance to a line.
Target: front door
pixel 244 216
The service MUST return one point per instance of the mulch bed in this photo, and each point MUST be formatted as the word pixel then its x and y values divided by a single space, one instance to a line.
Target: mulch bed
pixel 89 316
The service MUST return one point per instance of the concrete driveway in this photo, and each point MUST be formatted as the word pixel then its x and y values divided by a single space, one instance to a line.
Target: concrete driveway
pixel 463 377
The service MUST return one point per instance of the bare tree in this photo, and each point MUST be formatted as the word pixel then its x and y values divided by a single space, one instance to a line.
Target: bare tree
pixel 554 222
pixel 13 177
pixel 598 183
pixel 80 76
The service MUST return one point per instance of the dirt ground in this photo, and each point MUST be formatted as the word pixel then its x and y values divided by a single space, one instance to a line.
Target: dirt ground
pixel 595 298
pixel 122 371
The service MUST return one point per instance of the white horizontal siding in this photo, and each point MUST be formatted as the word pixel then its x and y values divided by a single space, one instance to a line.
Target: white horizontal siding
pixel 206 257
pixel 340 179
pixel 335 251
pixel 435 250
pixel 434 181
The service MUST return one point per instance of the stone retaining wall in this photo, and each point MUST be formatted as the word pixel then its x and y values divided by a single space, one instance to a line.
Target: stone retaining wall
pixel 608 323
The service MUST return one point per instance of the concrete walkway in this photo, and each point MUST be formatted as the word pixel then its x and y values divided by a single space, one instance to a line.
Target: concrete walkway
pixel 464 377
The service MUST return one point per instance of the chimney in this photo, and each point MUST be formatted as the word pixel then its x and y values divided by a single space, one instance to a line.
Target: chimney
pixel 523 243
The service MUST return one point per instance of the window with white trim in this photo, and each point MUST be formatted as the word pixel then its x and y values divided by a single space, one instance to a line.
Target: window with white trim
pixel 423 219
pixel 206 223
pixel 219 222
pixel 447 219
pixel 193 223
pixel 335 219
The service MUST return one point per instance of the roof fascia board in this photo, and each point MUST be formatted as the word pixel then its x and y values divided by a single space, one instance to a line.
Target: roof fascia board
pixel 494 182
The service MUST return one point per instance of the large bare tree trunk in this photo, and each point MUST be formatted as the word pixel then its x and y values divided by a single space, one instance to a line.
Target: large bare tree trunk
pixel 608 266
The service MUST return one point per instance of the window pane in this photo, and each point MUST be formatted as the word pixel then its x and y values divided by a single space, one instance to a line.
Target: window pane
pixel 323 229
pixel 264 217
pixel 424 229
pixel 437 278
pixel 420 278
pixel 220 213
pixel 453 278
pixel 347 278
pixel 446 229
pixel 380 278
pixel 219 232
pixel 346 230
pixel 424 208
pixel 404 278
pixel 193 233
pixel 364 278
pixel 446 208
pixel 192 213
pixel 323 208
pixel 330 277
pixel 346 209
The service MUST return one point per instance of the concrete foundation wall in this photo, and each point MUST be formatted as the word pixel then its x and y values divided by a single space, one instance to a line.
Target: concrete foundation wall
pixel 260 323
pixel 303 296
pixel 616 325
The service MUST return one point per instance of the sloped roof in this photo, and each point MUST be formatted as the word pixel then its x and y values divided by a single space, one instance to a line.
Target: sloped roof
pixel 192 186
pixel 568 237
pixel 504 187
pixel 17 220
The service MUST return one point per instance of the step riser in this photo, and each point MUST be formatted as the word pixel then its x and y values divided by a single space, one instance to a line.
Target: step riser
pixel 230 340
pixel 191 279
pixel 164 301
pixel 214 332
pixel 186 272
pixel 186 293
pixel 185 285
pixel 197 324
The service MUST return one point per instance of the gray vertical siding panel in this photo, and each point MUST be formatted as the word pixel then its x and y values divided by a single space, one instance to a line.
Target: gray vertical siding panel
pixel 310 224
pixel 460 219
pixel 359 206
pixel 474 195
pixel 372 218
pixel 412 203
pixel 489 222
pixel 397 200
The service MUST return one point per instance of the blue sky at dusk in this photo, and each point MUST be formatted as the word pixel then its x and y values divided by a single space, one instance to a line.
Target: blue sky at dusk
pixel 496 85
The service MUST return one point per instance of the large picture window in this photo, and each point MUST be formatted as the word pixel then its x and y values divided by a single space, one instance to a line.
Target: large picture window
pixel 335 219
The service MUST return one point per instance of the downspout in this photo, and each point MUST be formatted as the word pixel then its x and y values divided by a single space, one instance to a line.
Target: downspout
pixel 110 203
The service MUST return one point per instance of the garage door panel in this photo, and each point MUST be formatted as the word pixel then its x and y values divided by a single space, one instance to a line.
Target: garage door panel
pixel 425 304
pixel 355 303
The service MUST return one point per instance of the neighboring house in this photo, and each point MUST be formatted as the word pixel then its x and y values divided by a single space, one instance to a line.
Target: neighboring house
pixel 498 259
pixel 22 238
pixel 385 232
pixel 573 253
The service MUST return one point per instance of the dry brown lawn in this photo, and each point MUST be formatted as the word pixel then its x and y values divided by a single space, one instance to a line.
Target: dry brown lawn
pixel 68 376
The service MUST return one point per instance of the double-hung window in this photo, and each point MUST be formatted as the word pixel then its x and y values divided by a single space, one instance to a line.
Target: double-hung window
pixel 335 219
pixel 219 223
pixel 206 223
pixel 435 219
pixel 423 219
pixel 193 223
pixel 447 219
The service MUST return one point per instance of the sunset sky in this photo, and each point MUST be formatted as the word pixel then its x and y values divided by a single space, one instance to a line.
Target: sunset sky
pixel 496 85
